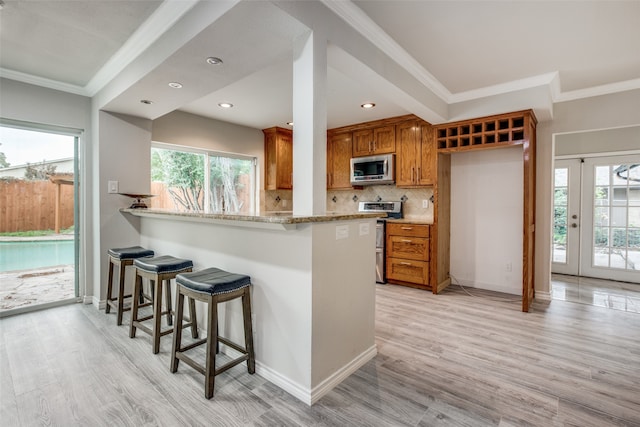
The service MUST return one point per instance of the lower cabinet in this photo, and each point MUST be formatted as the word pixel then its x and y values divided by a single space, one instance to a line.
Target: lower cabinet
pixel 408 254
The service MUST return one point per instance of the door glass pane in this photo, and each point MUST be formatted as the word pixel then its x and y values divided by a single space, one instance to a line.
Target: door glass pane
pixel 616 218
pixel 560 215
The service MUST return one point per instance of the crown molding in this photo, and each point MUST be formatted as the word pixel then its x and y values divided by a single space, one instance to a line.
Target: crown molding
pixel 42 81
pixel 155 26
pixel 598 90
pixel 507 87
pixel 359 21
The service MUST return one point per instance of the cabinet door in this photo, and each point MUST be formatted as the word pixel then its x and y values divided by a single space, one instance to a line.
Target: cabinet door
pixel 428 156
pixel 270 159
pixel 284 174
pixel 406 154
pixel 362 142
pixel 339 149
pixel 384 140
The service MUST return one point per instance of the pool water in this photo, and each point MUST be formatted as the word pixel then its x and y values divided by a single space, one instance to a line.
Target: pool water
pixel 35 254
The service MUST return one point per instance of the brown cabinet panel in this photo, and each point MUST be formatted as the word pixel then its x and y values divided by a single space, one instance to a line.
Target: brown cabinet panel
pixel 411 230
pixel 377 140
pixel 339 149
pixel 408 249
pixel 278 161
pixel 410 271
pixel 406 154
pixel 415 154
pixel 384 140
pixel 362 142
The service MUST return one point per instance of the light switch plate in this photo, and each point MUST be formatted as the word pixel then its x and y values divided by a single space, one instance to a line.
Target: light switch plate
pixel 112 187
pixel 425 203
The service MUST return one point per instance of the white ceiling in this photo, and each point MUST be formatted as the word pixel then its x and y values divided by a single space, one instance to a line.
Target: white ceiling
pixel 412 56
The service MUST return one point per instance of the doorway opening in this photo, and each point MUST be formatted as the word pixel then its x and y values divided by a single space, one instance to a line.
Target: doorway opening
pixel 596 206
pixel 39 232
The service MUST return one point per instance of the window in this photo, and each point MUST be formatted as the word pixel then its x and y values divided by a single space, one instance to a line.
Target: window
pixel 192 180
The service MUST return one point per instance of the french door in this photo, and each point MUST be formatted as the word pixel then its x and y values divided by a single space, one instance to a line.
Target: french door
pixel 566 217
pixel 596 230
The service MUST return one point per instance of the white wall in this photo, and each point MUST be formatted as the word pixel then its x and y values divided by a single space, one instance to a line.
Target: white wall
pixel 486 219
pixel 124 156
pixel 598 141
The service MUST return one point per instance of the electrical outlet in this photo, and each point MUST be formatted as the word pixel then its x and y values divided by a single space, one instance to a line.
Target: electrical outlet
pixel 425 203
pixel 509 267
pixel 112 187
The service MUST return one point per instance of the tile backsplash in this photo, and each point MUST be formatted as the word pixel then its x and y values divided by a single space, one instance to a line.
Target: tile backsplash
pixel 346 201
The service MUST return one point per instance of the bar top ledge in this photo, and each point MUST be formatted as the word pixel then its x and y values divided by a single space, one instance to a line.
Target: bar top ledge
pixel 277 221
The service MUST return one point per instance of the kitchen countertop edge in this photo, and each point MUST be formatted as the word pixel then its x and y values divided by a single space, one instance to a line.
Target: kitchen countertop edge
pixel 285 221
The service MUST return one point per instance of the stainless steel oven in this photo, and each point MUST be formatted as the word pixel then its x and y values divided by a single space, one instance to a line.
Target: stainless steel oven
pixel 393 210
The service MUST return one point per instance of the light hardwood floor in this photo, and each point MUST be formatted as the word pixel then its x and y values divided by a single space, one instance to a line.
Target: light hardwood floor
pixel 450 360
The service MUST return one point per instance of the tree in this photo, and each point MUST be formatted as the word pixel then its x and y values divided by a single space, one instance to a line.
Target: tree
pixel 39 171
pixel 183 173
pixel 3 160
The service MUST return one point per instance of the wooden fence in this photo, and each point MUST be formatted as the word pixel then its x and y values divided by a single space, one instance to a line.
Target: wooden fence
pixel 31 205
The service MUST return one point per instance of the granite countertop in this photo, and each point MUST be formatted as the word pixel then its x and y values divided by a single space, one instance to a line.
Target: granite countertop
pixel 285 220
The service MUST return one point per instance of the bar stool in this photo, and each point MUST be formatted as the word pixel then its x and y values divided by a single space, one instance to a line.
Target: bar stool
pixel 213 286
pixel 158 270
pixel 122 257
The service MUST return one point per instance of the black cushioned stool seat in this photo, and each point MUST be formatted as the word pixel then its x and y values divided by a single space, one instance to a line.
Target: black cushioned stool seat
pixel 161 270
pixel 122 257
pixel 213 286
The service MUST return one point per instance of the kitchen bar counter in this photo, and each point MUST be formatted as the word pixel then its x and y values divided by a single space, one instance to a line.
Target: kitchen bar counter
pixel 276 220
pixel 313 293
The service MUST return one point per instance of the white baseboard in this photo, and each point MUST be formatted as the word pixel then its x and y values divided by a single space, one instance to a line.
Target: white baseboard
pixel 489 286
pixel 304 394
pixel 97 302
pixel 327 385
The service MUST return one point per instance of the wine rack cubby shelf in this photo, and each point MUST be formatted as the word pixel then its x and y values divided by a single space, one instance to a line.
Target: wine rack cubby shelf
pixel 487 132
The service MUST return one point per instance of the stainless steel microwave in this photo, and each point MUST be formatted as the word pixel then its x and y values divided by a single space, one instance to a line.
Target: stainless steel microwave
pixel 373 170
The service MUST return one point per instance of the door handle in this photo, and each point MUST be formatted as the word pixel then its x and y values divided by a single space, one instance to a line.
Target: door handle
pixel 574 225
pixel 574 216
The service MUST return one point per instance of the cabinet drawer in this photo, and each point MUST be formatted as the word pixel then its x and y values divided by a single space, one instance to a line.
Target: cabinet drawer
pixel 408 270
pixel 416 248
pixel 416 230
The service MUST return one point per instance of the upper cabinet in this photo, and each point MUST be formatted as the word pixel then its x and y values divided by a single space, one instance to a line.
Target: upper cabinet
pixel 339 148
pixel 278 159
pixel 415 154
pixel 378 140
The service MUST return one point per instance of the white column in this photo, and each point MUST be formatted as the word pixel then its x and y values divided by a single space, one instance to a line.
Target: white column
pixel 310 124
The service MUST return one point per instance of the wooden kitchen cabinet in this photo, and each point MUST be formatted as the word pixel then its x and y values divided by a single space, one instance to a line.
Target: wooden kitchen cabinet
pixel 278 159
pixel 378 140
pixel 407 258
pixel 339 149
pixel 415 154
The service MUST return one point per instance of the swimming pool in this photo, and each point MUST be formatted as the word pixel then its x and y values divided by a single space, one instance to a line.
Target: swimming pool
pixel 35 254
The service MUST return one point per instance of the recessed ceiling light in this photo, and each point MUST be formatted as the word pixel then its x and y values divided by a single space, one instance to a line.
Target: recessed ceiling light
pixel 368 105
pixel 290 123
pixel 212 60
pixel 146 101
pixel 225 105
pixel 175 85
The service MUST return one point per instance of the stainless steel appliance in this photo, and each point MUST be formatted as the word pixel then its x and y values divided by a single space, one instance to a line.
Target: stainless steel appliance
pixel 373 170
pixel 393 210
